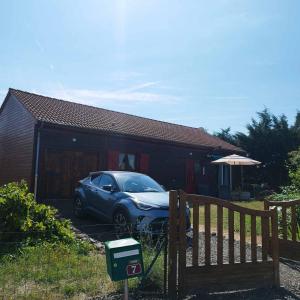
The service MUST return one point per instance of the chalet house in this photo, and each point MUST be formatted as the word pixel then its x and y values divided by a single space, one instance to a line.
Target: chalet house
pixel 53 143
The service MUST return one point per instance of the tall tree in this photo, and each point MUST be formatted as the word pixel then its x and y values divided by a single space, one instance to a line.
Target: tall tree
pixel 226 135
pixel 269 139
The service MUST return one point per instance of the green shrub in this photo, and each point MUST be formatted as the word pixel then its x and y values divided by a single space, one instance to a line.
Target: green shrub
pixel 289 192
pixel 22 219
pixel 294 168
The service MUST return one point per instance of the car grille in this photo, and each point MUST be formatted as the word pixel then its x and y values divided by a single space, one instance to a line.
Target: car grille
pixel 159 225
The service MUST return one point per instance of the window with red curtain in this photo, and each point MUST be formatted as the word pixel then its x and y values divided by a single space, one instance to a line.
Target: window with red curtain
pixel 113 160
pixel 190 176
pixel 144 163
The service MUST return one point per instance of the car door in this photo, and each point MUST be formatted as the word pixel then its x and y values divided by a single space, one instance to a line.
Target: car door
pixel 104 200
pixel 91 189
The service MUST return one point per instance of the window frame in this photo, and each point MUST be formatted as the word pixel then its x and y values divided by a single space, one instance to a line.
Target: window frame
pixel 115 184
pixel 135 166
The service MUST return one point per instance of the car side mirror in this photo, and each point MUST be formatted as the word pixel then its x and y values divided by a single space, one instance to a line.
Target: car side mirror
pixel 108 188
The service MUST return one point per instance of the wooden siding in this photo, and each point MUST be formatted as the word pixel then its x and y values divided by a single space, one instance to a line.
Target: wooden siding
pixel 61 171
pixel 16 142
pixel 167 163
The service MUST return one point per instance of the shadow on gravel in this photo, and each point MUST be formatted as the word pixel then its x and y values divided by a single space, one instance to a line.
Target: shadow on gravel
pixel 295 265
pixel 90 226
pixel 265 294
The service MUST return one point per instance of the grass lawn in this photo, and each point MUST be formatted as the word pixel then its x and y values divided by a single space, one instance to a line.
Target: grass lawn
pixel 60 272
pixel 258 205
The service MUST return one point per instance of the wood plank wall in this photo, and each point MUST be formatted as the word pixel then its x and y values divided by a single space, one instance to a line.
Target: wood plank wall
pixel 16 142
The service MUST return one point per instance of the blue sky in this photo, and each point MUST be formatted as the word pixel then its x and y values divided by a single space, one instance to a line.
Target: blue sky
pixel 199 63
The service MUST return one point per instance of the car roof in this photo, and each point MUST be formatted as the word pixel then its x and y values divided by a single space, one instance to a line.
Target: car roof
pixel 113 172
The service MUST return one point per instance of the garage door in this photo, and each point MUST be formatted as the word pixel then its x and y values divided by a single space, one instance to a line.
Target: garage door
pixel 63 169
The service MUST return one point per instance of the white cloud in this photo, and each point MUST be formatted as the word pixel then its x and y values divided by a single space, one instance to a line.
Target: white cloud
pixel 238 98
pixel 129 96
pixel 140 86
pixel 39 45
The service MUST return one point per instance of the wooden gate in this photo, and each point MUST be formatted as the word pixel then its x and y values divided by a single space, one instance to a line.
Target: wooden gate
pixel 289 233
pixel 235 265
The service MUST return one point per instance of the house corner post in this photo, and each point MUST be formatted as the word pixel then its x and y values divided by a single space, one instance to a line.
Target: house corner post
pixel 36 170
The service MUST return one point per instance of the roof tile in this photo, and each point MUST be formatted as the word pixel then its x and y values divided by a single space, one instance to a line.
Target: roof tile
pixel 83 116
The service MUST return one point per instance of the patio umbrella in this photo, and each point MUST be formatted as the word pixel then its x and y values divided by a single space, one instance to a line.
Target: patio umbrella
pixel 236 160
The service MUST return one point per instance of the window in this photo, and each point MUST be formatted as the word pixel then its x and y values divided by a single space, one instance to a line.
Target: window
pixel 200 170
pixel 126 162
pixel 95 179
pixel 137 183
pixel 106 180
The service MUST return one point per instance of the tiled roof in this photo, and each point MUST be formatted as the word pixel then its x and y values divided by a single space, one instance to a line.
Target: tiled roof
pixel 72 114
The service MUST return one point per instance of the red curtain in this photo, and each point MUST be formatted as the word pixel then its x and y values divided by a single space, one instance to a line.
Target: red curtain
pixel 144 163
pixel 113 160
pixel 190 176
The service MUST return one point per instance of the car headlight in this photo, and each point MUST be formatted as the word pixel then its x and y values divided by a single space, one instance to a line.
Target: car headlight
pixel 144 206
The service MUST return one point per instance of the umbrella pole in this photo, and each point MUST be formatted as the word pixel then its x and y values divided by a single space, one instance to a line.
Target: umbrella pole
pixel 230 171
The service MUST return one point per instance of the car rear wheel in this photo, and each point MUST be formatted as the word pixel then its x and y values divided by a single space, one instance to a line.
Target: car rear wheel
pixel 78 208
pixel 122 225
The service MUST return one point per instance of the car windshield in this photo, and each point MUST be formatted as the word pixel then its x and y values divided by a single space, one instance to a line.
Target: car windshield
pixel 137 183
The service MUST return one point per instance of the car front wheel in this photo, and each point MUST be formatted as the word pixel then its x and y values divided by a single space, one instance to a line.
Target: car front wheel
pixel 78 208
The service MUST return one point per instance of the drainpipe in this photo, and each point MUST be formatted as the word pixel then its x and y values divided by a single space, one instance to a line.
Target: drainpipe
pixel 36 171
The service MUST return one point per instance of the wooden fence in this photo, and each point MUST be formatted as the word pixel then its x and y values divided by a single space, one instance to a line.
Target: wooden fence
pixel 223 274
pixel 289 235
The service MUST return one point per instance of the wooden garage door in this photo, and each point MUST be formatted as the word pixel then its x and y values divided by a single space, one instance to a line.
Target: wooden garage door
pixel 63 169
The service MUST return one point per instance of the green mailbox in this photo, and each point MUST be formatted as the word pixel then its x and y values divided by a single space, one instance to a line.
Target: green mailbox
pixel 124 259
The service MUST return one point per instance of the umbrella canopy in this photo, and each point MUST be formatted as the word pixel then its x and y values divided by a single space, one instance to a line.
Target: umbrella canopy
pixel 236 160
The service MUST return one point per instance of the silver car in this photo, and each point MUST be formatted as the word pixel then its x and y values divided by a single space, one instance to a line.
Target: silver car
pixel 133 202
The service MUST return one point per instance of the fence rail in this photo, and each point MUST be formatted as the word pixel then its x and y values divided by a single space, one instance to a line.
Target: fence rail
pixel 232 268
pixel 289 224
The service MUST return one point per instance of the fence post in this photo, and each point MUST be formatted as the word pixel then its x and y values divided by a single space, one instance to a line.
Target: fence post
pixel 173 245
pixel 275 246
pixel 266 205
pixel 182 244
